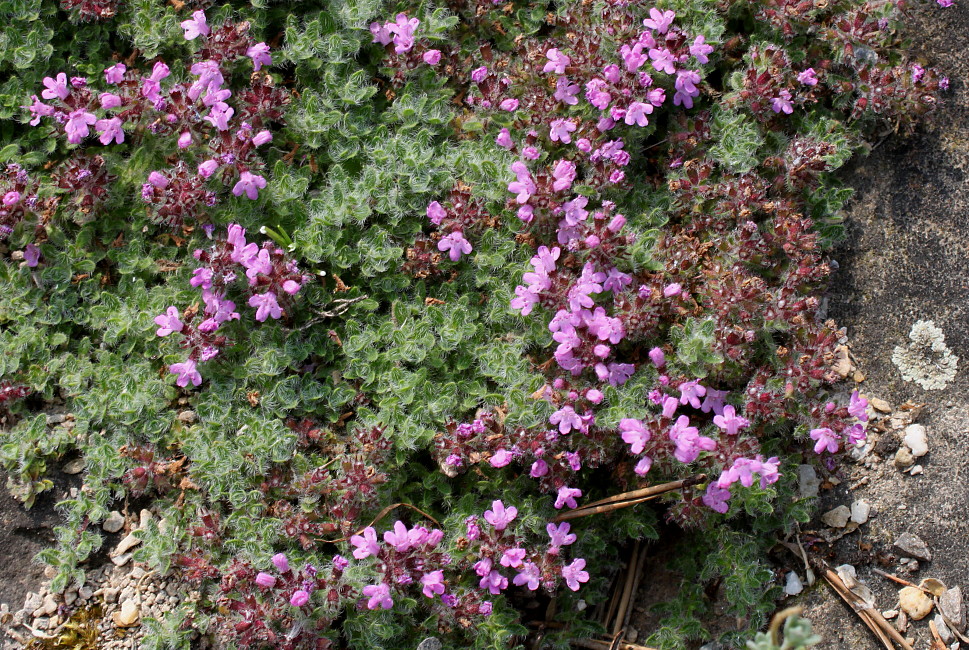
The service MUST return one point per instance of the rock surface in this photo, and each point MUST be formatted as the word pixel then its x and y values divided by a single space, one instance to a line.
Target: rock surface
pixel 913 546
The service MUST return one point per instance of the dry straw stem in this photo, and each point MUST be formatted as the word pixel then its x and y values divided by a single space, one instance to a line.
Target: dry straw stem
pixel 869 615
pixel 594 644
pixel 627 499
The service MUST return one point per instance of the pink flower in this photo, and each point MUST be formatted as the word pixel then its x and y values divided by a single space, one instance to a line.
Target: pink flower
pixel 398 538
pixel 378 596
pixel 196 26
pixel 168 322
pixel 945 3
pixel 265 580
pixel 501 458
pixel 574 574
pixel 530 576
pixel 403 31
pixel 365 545
pixel 250 184
pixel 299 598
pixel 436 213
pixel 566 497
pixel 729 421
pixel 688 441
pixel 280 562
pixel 566 91
pixel 432 57
pixel 456 244
pixel 262 138
pixel 110 129
pixel 513 558
pixel 508 104
pixel 858 407
pixel 566 418
pixel 115 74
pixel 208 168
pixel 808 77
pixel 716 498
pixel 186 372
pixel 634 434
pixel 659 20
pixel 637 112
pixel 433 583
pixel 669 406
pixel 560 130
pixel 266 305
pixel 699 49
pixel 657 357
pixel 494 582
pixel 564 175
pixel 782 103
pixel 560 534
pixel 185 140
pixel 557 62
pixel 11 198
pixel 291 287
pixel 643 466
pixel 826 440
pixel 539 469
pixel 593 395
pixel 504 139
pixel 499 516
pixel 479 74
pixel 56 88
pixel 259 53
pixel 77 125
pixel 109 100
pixel 662 60
pixel 31 255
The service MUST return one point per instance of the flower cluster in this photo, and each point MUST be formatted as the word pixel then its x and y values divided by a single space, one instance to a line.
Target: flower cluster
pixel 20 202
pixel 272 277
pixel 195 117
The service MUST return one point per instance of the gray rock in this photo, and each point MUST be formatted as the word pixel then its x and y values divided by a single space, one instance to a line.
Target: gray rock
pixel 837 517
pixel 125 545
pixel 943 629
pixel 809 485
pixel 75 466
pixel 430 643
pixel 913 546
pixel 793 586
pixel 951 605
pixel 186 417
pixel 121 560
pixel 917 440
pixel 860 510
pixel 111 595
pixel 85 592
pixel 34 601
pixel 114 522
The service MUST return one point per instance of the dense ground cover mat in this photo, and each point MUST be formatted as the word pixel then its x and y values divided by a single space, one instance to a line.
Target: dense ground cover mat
pixel 368 300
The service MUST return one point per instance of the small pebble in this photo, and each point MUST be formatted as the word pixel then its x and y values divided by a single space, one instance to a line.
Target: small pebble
pixel 859 511
pixel 914 602
pixel 837 517
pixel 793 586
pixel 114 522
pixel 916 439
pixel 914 546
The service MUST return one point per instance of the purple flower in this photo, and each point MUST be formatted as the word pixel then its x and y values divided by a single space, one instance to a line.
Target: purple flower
pixel 808 77
pixel 782 103
pixel 659 20
pixel 513 557
pixel 250 184
pixel 485 608
pixel 262 138
pixel 280 562
pixel 509 104
pixel 743 470
pixel 436 213
pixel 557 62
pixel 560 130
pixel 77 125
pixel 566 91
pixel 499 516
pixel 291 287
pixel 716 498
pixel 662 60
pixel 115 74
pixel 564 175
pixel 637 112
pixel 265 580
pixel 366 544
pixel 574 574
pixel 483 566
pixel 494 582
pixel 594 395
pixel 186 372
pixel 168 322
pixel 501 458
pixel 560 534
pixel 196 26
pixel 699 49
pixel 432 57
pixel 504 139
pixel 692 391
pixel 266 305
pixel 858 407
pixel 826 440
pixel 530 576
pixel 669 406
pixel 219 116
pixel 566 497
pixel 634 434
pixel 378 596
pixel 11 198
pixel 456 244
pixel 729 421
pixel 478 74
pixel 433 583
pixel 567 419
pixel 299 598
pixel 539 469
pixel 208 168
pixel 643 466
pixel 398 538
pixel 159 180
pixel 31 255
pixel 672 290
pixel 403 31
pixel 259 53
pixel 56 88
pixel 688 441
pixel 657 357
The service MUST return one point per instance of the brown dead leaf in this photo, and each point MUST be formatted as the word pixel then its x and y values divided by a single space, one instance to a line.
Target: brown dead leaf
pixel 933 586
pixel 253 397
pixel 432 301
pixel 167 266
